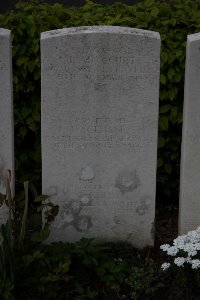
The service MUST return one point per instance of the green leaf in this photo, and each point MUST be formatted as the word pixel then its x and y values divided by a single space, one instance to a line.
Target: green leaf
pixel 159 162
pixel 163 123
pixel 164 56
pixel 21 60
pixel 163 94
pixel 174 112
pixel 161 142
pixel 148 3
pixel 31 67
pixel 29 20
pixel 38 254
pixel 41 198
pixel 28 259
pixel 171 74
pixel 168 168
pixel 154 12
pixel 164 108
pixel 179 53
pixel 163 79
pixel 40 208
pixel 172 94
pixel 40 236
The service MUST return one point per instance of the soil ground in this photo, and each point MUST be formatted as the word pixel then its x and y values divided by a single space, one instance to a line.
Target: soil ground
pixel 166 226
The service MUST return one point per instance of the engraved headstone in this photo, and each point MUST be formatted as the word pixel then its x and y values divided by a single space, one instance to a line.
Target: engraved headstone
pixel 189 208
pixel 100 91
pixel 6 116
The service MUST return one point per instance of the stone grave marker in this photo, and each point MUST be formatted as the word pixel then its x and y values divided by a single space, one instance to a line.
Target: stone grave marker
pixel 6 116
pixel 189 208
pixel 100 94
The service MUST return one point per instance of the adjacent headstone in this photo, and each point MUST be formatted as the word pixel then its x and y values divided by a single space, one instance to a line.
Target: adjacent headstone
pixel 189 208
pixel 6 116
pixel 100 94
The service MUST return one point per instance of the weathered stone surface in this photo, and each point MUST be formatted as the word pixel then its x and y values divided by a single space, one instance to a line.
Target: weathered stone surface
pixel 100 91
pixel 6 114
pixel 189 208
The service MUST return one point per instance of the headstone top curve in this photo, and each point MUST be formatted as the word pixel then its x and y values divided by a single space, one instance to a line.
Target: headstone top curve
pixel 193 37
pixel 99 29
pixel 5 32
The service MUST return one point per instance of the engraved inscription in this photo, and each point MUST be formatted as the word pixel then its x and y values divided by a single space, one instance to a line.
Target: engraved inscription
pixel 194 140
pixel 89 143
pixel 112 66
pixel 100 133
pixel 127 181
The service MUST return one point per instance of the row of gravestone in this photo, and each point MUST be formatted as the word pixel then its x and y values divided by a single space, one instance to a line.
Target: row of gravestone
pixel 99 123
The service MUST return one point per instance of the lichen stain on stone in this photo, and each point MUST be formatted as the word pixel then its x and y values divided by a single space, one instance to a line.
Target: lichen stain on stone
pixel 144 205
pixel 127 181
pixel 141 210
pixel 82 223
pixel 116 220
pixel 76 206
pixel 70 214
pixel 86 199
pixel 86 173
pixel 66 217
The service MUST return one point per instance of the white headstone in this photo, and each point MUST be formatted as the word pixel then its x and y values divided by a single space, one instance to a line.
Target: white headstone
pixel 6 115
pixel 189 208
pixel 100 94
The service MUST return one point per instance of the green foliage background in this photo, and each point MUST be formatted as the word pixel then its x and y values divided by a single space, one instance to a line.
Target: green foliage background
pixel 172 19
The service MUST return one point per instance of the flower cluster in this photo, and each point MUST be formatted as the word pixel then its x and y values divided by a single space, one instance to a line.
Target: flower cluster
pixel 185 247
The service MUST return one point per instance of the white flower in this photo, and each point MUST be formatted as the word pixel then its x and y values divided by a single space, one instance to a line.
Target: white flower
pixel 192 253
pixel 188 259
pixel 165 266
pixel 197 246
pixel 172 251
pixel 195 263
pixel 180 240
pixel 190 244
pixel 179 261
pixel 190 249
pixel 165 247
